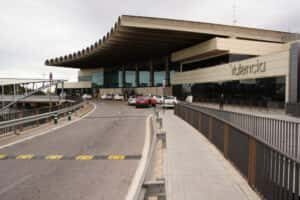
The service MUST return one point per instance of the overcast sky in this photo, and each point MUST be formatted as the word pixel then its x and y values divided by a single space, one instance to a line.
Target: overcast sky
pixel 33 30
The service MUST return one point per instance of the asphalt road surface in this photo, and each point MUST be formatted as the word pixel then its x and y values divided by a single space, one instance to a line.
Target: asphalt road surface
pixel 113 128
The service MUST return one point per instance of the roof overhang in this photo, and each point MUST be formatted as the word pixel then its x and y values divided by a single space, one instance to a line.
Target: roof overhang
pixel 219 46
pixel 134 39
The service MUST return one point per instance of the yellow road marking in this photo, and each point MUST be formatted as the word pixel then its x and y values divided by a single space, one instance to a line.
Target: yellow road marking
pixel 54 157
pixel 2 156
pixel 25 157
pixel 116 157
pixel 84 157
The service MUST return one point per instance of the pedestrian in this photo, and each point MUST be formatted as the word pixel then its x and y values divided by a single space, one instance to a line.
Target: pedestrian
pixel 221 101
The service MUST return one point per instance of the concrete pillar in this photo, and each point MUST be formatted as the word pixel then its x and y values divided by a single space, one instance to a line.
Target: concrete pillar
pixel 123 76
pixel 2 96
pixel 137 76
pixel 167 70
pixel 151 70
pixel 292 82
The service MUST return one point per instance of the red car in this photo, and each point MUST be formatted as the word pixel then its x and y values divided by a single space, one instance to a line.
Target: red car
pixel 144 101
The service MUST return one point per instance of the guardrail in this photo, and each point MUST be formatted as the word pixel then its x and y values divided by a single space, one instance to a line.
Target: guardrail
pixel 11 115
pixel 270 171
pixel 11 126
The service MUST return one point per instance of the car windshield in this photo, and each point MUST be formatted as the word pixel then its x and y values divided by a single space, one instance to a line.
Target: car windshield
pixel 169 97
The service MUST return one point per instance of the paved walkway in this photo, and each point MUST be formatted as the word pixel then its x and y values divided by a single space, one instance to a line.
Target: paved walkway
pixel 195 169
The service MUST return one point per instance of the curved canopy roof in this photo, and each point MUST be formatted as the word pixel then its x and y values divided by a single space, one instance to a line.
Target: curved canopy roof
pixel 134 39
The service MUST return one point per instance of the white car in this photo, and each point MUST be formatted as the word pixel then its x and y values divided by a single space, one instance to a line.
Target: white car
pixel 103 96
pixel 109 97
pixel 86 96
pixel 169 102
pixel 118 97
pixel 132 100
pixel 159 99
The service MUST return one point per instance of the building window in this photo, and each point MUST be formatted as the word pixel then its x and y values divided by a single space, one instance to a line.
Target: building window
pixel 85 78
pixel 265 92
pixel 159 77
pixel 130 79
pixel 98 79
pixel 144 78
pixel 113 79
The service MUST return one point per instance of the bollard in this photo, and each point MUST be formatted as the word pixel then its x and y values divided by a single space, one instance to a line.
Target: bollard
pixel 156 113
pixel 69 115
pixel 159 121
pixel 55 118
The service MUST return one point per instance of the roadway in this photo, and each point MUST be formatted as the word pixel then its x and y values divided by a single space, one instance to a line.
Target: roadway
pixel 113 128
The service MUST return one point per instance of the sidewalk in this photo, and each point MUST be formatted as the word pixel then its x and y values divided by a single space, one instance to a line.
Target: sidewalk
pixel 195 169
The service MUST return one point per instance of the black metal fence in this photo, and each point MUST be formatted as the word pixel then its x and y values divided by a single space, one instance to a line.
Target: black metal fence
pixel 281 134
pixel 10 116
pixel 270 171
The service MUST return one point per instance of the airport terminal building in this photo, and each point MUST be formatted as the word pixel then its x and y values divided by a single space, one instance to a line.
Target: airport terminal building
pixel 174 57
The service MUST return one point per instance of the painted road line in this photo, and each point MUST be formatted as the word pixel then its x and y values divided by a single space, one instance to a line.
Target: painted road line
pixel 25 157
pixel 84 157
pixel 54 157
pixel 116 157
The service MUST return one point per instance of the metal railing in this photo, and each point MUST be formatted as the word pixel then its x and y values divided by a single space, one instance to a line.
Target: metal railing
pixel 281 134
pixel 12 126
pixel 269 170
pixel 12 114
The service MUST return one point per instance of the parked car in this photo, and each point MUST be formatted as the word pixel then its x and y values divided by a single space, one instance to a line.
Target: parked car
pixel 103 96
pixel 159 99
pixel 86 97
pixel 152 99
pixel 144 101
pixel 169 102
pixel 109 96
pixel 132 100
pixel 118 97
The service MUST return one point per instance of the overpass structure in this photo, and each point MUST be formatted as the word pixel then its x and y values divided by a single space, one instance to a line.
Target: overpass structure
pixel 15 90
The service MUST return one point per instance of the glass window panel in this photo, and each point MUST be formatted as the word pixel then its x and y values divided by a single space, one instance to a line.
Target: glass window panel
pixel 98 79
pixel 144 78
pixel 130 79
pixel 85 78
pixel 159 77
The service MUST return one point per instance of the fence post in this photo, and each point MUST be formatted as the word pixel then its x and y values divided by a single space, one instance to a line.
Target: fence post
pixel 21 114
pixel 226 140
pixel 37 121
pixel 252 161
pixel 200 121
pixel 210 128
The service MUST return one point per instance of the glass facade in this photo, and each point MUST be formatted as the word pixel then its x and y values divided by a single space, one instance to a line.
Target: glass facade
pixel 144 78
pixel 98 79
pixel 85 78
pixel 254 92
pixel 159 78
pixel 130 80
pixel 113 79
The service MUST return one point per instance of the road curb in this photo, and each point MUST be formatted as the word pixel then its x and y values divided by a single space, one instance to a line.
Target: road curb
pixel 138 179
